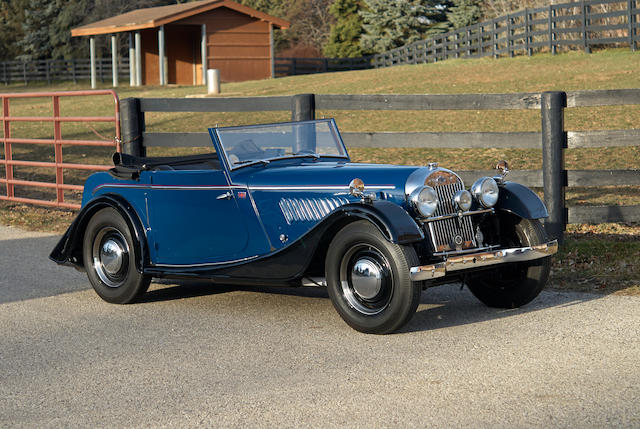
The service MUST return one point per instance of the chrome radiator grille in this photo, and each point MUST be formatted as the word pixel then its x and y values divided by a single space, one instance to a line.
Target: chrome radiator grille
pixel 454 233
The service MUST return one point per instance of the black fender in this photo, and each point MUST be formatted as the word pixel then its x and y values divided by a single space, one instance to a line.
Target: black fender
pixel 68 251
pixel 393 221
pixel 521 201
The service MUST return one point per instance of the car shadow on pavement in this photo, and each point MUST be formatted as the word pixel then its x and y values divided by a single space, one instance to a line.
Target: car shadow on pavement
pixel 440 307
pixel 450 305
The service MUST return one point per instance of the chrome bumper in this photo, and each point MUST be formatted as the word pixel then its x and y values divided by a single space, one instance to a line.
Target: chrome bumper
pixel 483 259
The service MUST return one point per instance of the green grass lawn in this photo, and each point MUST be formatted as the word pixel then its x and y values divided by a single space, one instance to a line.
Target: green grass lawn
pixel 609 69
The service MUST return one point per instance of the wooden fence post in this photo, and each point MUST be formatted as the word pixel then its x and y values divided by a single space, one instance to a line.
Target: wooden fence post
pixel 551 25
pixel 494 37
pixel 73 71
pixel 554 176
pixel 509 51
pixel 527 32
pixel 631 19
pixel 47 70
pixel 585 40
pixel 132 126
pixel 303 107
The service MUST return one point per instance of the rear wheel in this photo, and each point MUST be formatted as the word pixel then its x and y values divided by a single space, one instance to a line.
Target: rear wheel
pixel 109 258
pixel 514 285
pixel 368 279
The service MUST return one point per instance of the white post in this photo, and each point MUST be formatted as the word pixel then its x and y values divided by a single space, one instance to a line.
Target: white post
pixel 132 62
pixel 92 53
pixel 161 55
pixel 271 51
pixel 213 81
pixel 114 60
pixel 138 59
pixel 203 53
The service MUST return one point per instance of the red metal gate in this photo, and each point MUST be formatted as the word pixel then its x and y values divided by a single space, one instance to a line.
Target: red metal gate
pixel 58 142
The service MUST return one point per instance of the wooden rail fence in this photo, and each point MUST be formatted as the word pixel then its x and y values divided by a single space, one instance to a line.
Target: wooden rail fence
pixel 80 69
pixel 553 139
pixel 297 66
pixel 59 70
pixel 581 25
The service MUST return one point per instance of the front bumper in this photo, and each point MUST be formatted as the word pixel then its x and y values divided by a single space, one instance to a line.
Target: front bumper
pixel 483 259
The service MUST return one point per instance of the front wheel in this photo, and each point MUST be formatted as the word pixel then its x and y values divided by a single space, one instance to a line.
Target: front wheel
pixel 368 279
pixel 109 258
pixel 514 285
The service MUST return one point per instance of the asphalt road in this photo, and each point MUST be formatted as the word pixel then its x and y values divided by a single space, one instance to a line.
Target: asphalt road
pixel 199 355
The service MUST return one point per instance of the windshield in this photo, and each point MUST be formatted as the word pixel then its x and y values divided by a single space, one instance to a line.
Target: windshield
pixel 252 144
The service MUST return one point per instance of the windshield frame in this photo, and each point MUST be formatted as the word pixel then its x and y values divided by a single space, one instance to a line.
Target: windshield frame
pixel 215 132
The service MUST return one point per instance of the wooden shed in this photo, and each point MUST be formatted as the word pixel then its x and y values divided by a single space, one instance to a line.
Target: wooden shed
pixel 176 44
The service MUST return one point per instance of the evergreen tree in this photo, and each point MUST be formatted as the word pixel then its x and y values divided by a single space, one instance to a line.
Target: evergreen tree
pixel 344 38
pixel 71 13
pixel 389 24
pixel 464 12
pixel 36 43
pixel 11 18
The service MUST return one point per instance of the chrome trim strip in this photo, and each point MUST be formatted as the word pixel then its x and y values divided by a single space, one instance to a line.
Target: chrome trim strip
pixel 166 187
pixel 315 188
pixel 251 188
pixel 460 252
pixel 208 264
pixel 463 262
pixel 313 282
pixel 452 215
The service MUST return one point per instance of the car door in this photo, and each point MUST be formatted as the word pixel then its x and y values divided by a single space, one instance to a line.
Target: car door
pixel 195 219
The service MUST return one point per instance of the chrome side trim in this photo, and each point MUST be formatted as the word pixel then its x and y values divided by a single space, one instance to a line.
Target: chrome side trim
pixel 313 282
pixel 483 259
pixel 465 251
pixel 452 215
pixel 315 188
pixel 207 264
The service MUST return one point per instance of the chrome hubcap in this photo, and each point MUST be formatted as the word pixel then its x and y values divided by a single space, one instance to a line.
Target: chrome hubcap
pixel 366 279
pixel 110 257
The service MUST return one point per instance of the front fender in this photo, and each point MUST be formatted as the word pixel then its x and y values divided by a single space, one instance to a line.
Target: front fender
pixel 68 251
pixel 392 220
pixel 522 201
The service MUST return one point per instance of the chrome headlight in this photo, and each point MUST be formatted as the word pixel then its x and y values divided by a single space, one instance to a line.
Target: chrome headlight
pixel 485 190
pixel 462 200
pixel 424 200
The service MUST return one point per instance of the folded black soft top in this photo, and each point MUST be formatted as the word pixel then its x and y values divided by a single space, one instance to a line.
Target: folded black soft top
pixel 129 166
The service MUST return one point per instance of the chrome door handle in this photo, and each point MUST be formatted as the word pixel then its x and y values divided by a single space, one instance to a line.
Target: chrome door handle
pixel 226 196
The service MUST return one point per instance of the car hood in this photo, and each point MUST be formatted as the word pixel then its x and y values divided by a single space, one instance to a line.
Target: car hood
pixel 328 174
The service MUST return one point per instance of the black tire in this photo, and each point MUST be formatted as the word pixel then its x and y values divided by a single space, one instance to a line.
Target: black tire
pixel 375 305
pixel 517 284
pixel 109 258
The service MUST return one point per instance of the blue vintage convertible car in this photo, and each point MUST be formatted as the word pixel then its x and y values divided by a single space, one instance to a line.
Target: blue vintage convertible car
pixel 282 204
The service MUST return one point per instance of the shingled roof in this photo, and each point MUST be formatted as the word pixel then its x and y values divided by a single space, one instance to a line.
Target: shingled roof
pixel 156 16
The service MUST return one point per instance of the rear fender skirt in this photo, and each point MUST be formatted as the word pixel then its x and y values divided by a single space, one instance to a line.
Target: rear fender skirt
pixel 291 262
pixel 68 251
pixel 521 201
